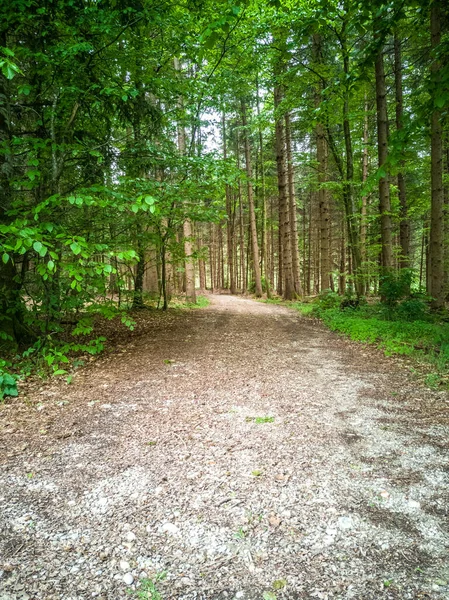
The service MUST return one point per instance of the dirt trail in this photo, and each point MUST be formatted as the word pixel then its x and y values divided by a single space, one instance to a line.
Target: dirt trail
pixel 241 449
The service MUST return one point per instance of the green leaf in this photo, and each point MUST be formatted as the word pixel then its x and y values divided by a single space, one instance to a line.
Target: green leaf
pixel 5 257
pixel 75 247
pixel 37 246
pixel 24 89
pixel 50 265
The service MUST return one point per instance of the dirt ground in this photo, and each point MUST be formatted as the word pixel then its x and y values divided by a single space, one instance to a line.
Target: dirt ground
pixel 237 451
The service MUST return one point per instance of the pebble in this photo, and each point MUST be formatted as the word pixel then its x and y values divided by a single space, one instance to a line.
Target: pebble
pixel 170 528
pixel 128 578
pixel 345 522
pixel 124 565
pixel 130 536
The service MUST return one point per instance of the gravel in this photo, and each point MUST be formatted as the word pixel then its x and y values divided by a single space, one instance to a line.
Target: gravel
pixel 153 465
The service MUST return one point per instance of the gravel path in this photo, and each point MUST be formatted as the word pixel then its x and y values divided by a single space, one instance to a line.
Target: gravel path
pixel 239 451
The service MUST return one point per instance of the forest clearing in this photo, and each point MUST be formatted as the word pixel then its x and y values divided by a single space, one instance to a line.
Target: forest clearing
pixel 224 299
pixel 241 451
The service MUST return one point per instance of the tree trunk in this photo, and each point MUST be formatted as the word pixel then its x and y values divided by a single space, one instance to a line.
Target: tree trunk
pixel 252 212
pixel 230 220
pixel 404 225
pixel 264 252
pixel 187 226
pixel 382 148
pixel 364 212
pixel 436 236
pixel 285 250
pixel 292 209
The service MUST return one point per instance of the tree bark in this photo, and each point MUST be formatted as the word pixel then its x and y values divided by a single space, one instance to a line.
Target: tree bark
pixel 230 219
pixel 189 265
pixel 436 236
pixel 404 225
pixel 285 250
pixel 292 209
pixel 382 149
pixel 251 209
pixel 321 157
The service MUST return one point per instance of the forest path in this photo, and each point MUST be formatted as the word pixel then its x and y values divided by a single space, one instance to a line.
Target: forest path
pixel 244 450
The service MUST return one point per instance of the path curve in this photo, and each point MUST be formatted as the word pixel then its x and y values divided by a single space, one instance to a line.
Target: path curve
pixel 241 449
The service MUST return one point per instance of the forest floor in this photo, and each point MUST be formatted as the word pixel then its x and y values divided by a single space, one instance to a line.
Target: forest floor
pixel 243 451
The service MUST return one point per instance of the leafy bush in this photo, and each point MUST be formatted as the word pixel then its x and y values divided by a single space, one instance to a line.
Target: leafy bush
pixel 8 382
pixel 395 286
pixel 328 299
pixel 413 309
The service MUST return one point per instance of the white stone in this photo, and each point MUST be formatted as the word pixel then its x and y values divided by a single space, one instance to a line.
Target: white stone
pixel 130 536
pixel 345 522
pixel 170 528
pixel 128 578
pixel 124 565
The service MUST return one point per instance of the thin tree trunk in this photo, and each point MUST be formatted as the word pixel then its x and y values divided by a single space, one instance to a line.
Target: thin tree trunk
pixel 230 219
pixel 436 237
pixel 404 225
pixel 187 226
pixel 364 212
pixel 292 209
pixel 264 254
pixel 285 250
pixel 252 212
pixel 382 147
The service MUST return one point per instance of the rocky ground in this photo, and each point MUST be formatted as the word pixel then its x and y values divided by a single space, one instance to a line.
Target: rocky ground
pixel 238 451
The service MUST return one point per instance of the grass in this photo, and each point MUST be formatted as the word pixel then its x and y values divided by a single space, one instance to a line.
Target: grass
pixel 148 589
pixel 259 420
pixel 179 302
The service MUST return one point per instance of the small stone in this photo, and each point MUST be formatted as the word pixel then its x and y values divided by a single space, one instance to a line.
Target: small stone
pixel 124 565
pixel 128 578
pixel 130 536
pixel 274 521
pixel 414 504
pixel 345 522
pixel 170 528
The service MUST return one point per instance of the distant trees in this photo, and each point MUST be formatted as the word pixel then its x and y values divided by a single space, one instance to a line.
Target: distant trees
pixel 153 149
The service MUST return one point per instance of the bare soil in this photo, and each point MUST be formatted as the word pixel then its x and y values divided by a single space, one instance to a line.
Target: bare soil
pixel 242 450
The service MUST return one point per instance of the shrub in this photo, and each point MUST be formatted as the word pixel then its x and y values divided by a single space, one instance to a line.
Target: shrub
pixel 8 382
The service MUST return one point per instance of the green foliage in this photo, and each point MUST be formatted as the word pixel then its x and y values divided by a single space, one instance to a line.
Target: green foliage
pixel 8 381
pixel 328 299
pixel 201 302
pixel 395 286
pixel 148 589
